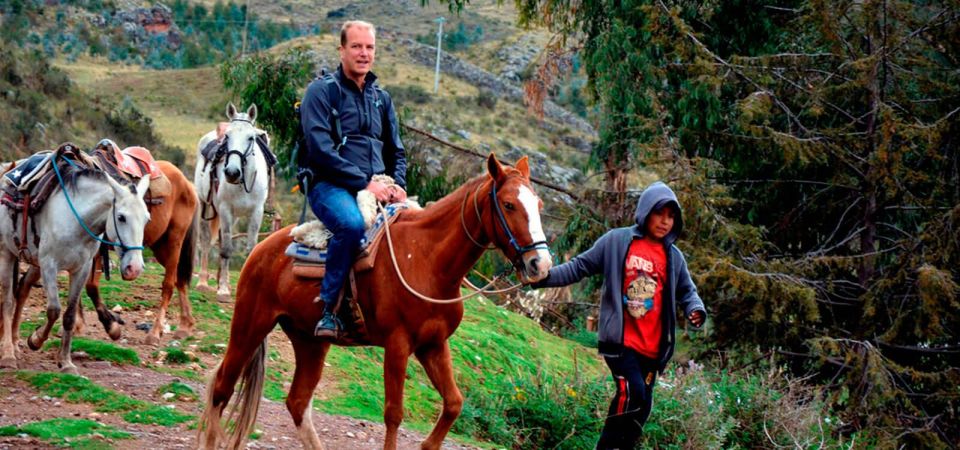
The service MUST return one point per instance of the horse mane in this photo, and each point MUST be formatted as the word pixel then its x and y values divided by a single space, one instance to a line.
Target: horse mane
pixel 71 173
pixel 455 197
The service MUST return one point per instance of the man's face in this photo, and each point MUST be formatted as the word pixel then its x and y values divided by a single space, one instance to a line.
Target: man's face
pixel 357 54
pixel 660 222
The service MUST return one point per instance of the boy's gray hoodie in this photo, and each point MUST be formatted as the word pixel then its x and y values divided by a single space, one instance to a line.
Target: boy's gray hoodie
pixel 609 255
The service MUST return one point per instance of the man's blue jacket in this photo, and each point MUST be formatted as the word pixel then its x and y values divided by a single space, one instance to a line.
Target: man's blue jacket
pixel 370 141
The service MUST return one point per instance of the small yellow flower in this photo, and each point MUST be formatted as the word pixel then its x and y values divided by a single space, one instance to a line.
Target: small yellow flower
pixel 571 392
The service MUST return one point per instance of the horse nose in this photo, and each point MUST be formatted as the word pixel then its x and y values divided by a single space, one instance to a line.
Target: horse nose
pixel 533 266
pixel 232 174
pixel 132 271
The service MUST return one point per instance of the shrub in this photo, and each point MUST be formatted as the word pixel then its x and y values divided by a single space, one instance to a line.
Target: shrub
pixel 487 99
pixel 536 412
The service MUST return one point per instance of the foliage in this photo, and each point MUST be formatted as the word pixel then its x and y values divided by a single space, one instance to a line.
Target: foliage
pixel 536 411
pixel 272 83
pixel 455 40
pixel 812 146
pixel 198 35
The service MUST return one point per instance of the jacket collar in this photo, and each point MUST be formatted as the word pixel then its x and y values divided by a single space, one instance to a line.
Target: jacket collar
pixel 368 81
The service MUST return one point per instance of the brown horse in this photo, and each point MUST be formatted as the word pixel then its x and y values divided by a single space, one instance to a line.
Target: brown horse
pixel 170 233
pixel 437 246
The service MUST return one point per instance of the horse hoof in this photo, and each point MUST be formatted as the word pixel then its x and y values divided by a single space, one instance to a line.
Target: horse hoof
pixel 115 332
pixel 182 334
pixel 204 287
pixel 33 343
pixel 224 298
pixel 152 340
pixel 8 363
pixel 71 369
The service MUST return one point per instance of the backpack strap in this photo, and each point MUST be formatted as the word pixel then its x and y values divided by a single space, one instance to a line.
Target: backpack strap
pixel 339 137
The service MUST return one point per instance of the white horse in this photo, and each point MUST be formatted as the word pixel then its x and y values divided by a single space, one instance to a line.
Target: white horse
pixel 87 204
pixel 243 165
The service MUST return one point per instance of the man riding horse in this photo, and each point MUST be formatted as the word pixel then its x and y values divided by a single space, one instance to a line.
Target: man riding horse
pixel 351 133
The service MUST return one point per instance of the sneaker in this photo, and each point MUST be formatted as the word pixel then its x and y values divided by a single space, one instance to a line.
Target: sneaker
pixel 328 326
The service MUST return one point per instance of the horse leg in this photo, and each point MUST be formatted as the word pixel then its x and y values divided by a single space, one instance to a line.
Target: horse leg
pixel 395 357
pixel 111 322
pixel 8 273
pixel 309 361
pixel 226 249
pixel 253 227
pixel 48 271
pixel 23 292
pixel 208 228
pixel 439 368
pixel 247 334
pixel 165 254
pixel 77 280
pixel 187 322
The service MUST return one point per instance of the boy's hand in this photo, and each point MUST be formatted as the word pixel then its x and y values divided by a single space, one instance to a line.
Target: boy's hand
pixel 696 318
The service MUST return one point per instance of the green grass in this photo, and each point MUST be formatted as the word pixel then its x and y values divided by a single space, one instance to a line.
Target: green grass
pixel 100 350
pixel 176 355
pixel 76 389
pixel 490 340
pixel 74 433
pixel 182 392
pixel 157 415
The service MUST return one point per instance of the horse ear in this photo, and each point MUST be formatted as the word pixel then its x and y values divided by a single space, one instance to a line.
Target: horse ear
pixel 231 111
pixel 252 112
pixel 143 185
pixel 494 167
pixel 523 165
pixel 117 187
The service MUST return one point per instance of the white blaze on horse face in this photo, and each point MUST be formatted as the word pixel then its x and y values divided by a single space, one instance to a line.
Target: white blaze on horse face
pixel 536 265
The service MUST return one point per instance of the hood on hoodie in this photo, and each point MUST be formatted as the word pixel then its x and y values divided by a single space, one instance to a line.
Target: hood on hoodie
pixel 654 197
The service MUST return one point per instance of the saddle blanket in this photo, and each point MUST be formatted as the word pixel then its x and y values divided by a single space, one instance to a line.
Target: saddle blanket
pixel 26 169
pixel 314 233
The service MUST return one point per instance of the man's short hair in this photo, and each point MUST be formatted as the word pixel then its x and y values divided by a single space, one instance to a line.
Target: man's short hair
pixel 355 23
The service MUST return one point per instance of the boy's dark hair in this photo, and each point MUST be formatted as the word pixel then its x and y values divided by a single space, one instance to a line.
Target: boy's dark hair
pixel 666 203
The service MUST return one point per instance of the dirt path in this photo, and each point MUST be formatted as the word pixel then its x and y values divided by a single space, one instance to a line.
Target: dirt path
pixel 20 403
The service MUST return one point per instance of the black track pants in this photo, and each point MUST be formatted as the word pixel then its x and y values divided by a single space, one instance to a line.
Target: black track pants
pixel 635 376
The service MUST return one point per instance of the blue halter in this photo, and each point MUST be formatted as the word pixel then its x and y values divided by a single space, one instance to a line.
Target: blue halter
pixel 123 247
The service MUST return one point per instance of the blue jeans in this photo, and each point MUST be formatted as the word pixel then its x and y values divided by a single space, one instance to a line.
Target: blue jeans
pixel 337 208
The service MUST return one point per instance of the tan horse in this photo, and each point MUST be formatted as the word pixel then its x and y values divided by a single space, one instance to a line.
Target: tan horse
pixel 436 252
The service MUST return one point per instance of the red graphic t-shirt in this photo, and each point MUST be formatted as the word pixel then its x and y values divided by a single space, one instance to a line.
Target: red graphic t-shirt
pixel 644 272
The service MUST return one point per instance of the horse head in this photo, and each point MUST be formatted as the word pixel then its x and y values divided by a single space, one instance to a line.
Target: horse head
pixel 241 142
pixel 129 216
pixel 515 226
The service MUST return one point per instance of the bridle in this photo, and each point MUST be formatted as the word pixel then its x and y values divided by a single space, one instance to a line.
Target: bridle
pixel 517 261
pixel 536 245
pixel 243 159
pixel 123 248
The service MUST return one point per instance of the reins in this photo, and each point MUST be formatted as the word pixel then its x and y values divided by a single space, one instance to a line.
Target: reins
pixel 484 289
pixel 123 247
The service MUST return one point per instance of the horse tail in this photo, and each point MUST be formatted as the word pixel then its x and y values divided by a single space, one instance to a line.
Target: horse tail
pixel 187 251
pixel 244 412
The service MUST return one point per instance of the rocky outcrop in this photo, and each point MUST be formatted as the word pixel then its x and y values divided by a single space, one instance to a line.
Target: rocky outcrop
pixel 451 65
pixel 141 24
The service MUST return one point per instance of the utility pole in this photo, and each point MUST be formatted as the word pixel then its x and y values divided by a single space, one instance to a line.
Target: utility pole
pixel 436 75
pixel 246 14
